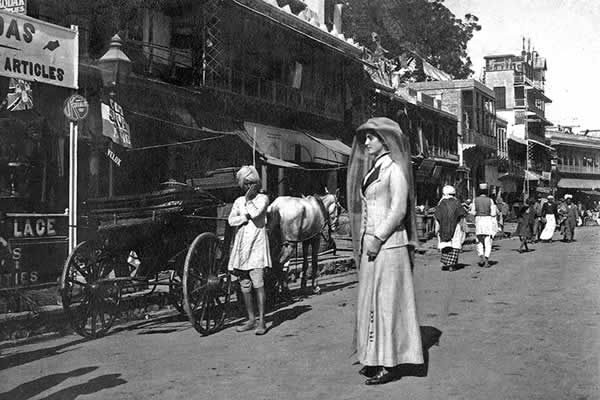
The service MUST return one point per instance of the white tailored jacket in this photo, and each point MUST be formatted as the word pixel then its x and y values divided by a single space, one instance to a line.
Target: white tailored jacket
pixel 384 203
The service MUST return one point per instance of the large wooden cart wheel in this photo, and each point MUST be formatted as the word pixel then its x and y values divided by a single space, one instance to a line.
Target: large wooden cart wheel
pixel 206 284
pixel 90 295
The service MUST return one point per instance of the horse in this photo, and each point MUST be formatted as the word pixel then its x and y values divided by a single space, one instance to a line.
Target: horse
pixel 291 220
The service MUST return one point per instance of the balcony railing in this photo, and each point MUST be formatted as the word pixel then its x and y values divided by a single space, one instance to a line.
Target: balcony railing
pixel 471 136
pixel 577 169
pixel 440 152
pixel 179 67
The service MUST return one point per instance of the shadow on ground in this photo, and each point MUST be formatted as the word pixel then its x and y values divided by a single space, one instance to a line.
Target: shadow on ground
pixel 93 385
pixel 17 359
pixel 430 336
pixel 39 385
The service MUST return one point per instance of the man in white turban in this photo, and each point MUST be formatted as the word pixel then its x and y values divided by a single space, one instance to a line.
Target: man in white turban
pixel 449 215
pixel 250 251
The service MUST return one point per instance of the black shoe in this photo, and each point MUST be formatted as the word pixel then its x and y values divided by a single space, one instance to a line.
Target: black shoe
pixel 486 264
pixel 369 371
pixel 481 261
pixel 383 376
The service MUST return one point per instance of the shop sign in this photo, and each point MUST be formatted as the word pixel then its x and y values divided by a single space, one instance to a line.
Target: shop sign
pixel 14 6
pixel 114 125
pixel 33 248
pixel 37 50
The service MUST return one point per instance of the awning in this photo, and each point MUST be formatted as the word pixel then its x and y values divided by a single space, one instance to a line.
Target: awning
pixel 331 143
pixel 279 163
pixel 299 146
pixel 572 183
pixel 532 176
pixel 591 193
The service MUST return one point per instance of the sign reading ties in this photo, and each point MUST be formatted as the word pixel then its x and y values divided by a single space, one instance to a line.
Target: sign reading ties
pixel 38 51
pixel 114 125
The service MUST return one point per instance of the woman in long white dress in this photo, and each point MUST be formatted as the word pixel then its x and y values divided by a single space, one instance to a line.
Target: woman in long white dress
pixel 549 211
pixel 381 205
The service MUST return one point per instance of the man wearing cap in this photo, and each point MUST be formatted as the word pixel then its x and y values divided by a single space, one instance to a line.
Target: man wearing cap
pixel 449 215
pixel 571 214
pixel 486 225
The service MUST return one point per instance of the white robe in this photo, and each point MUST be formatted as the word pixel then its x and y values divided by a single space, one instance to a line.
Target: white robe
pixel 251 245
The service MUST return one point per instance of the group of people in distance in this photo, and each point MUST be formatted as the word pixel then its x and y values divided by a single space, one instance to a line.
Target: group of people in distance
pixel 538 219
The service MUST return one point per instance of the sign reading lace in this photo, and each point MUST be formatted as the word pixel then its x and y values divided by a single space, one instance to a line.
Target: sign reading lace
pixel 38 51
pixel 114 125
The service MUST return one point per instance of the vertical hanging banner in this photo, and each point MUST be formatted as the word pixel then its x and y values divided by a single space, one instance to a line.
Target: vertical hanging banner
pixel 19 96
pixel 114 125
pixel 37 50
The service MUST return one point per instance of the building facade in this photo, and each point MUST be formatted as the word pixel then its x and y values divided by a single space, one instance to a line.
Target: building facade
pixel 473 105
pixel 577 167
pixel 518 82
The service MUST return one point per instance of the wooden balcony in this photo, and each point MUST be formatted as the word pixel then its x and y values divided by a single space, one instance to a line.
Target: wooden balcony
pixel 178 67
pixel 471 136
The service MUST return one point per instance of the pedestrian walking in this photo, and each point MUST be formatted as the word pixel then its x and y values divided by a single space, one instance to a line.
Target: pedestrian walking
pixel 250 252
pixel 571 217
pixel 537 222
pixel 549 210
pixel 486 226
pixel 502 214
pixel 382 214
pixel 526 224
pixel 449 218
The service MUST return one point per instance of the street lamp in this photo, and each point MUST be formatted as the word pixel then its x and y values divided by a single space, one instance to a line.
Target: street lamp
pixel 115 67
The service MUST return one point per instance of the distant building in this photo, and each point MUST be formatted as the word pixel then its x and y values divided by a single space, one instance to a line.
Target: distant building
pixel 518 83
pixel 577 167
pixel 473 104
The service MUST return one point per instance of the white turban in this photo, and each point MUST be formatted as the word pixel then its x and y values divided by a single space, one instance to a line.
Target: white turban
pixel 448 190
pixel 247 174
pixel 568 196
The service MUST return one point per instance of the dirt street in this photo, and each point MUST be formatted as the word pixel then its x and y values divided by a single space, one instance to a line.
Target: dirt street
pixel 527 328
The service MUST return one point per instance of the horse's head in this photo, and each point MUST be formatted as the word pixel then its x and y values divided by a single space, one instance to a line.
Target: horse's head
pixel 333 207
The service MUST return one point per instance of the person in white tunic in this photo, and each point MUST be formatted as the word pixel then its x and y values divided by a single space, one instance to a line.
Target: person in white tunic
pixel 549 213
pixel 250 251
pixel 486 224
pixel 382 216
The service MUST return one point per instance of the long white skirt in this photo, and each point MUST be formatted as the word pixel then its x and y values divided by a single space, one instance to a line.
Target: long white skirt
pixel 548 231
pixel 387 328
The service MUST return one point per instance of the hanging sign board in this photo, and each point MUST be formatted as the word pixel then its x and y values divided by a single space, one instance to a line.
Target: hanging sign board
pixel 15 6
pixel 114 125
pixel 38 51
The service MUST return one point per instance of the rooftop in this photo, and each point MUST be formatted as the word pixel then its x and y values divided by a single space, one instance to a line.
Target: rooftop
pixel 453 84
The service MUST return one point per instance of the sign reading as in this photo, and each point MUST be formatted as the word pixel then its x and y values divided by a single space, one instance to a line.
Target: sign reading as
pixel 38 51
pixel 114 125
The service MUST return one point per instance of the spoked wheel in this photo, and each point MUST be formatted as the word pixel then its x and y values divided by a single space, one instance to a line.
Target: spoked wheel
pixel 206 284
pixel 90 295
pixel 176 291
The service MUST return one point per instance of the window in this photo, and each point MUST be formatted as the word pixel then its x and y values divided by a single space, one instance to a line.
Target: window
pixel 500 94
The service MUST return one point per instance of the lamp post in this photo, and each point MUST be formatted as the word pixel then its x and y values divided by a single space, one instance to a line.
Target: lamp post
pixel 115 67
